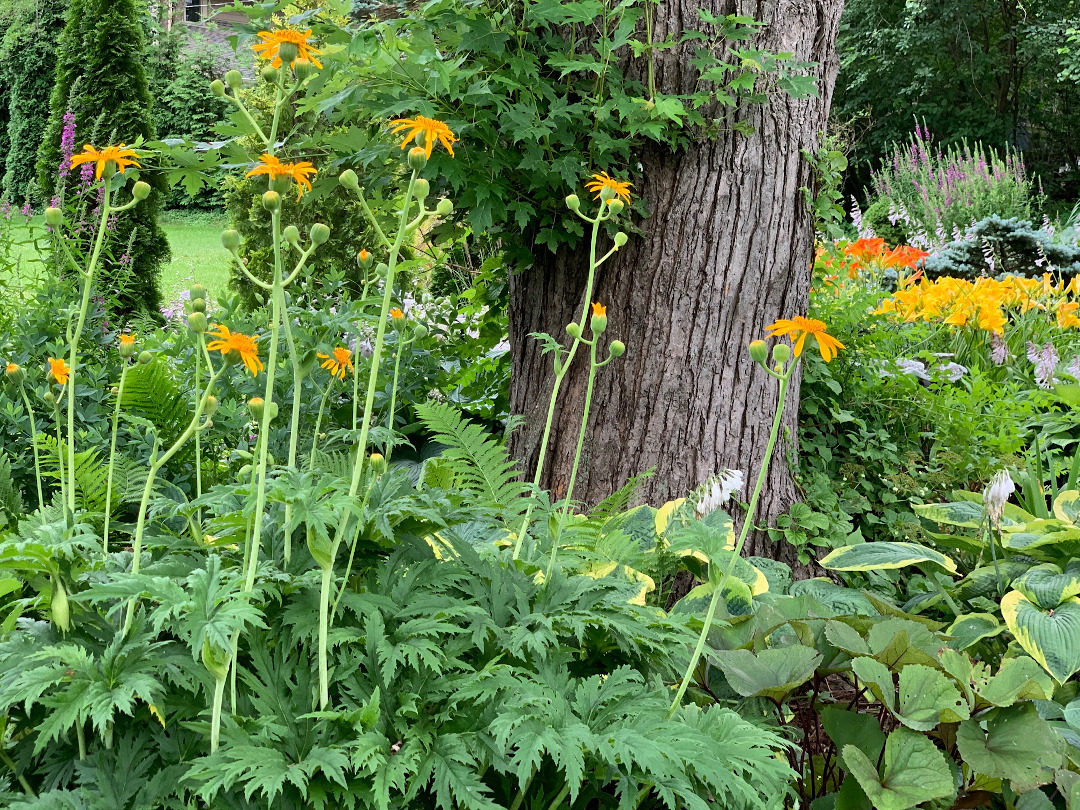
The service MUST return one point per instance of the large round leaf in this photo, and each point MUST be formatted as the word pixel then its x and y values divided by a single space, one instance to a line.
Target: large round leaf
pixel 914 771
pixel 1051 637
pixel 770 673
pixel 882 555
pixel 1018 745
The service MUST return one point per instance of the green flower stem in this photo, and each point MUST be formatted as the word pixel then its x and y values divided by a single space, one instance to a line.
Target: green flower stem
pixel 294 427
pixel 318 424
pixel 33 444
pixel 400 348
pixel 112 455
pixel 785 378
pixel 80 736
pixel 156 464
pixel 29 791
pixel 325 587
pixel 558 800
pixel 76 336
pixel 198 435
pixel 277 305
pixel 563 366
pixel 349 564
pixel 60 451
pixel 356 355
pixel 521 793
pixel 215 716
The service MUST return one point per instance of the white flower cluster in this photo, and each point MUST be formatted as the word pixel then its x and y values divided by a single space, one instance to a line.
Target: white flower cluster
pixel 716 492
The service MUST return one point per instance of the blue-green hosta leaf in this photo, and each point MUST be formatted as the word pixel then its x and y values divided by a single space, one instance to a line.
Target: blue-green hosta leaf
pixel 988 580
pixel 1048 586
pixel 966 514
pixel 913 771
pixel 972 628
pixel 1067 506
pixel 1017 745
pixel 773 673
pixel 1051 637
pixel 736 604
pixel 845 601
pixel 883 555
pixel 926 697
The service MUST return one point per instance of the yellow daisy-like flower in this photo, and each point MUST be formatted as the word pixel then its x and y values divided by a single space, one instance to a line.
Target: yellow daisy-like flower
pixel 121 155
pixel 297 171
pixel 58 371
pixel 127 340
pixel 339 364
pixel 797 329
pixel 599 310
pixel 233 343
pixel 430 128
pixel 602 181
pixel 396 314
pixel 273 40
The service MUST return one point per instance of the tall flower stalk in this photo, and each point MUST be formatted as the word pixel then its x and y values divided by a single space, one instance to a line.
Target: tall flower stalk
pixel 126 350
pixel 16 375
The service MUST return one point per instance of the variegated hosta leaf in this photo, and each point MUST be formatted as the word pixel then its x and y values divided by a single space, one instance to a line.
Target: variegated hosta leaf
pixel 1048 586
pixel 1067 506
pixel 972 628
pixel 1051 637
pixel 883 555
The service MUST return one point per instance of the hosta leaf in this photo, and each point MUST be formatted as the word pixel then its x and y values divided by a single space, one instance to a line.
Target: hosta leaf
pixel 926 697
pixel 1048 586
pixel 845 601
pixel 1067 506
pixel 914 771
pixel 1050 637
pixel 966 514
pixel 771 673
pixel 972 628
pixel 884 555
pixel 1017 745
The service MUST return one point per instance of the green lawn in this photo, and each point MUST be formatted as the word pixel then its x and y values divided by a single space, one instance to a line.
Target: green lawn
pixel 197 255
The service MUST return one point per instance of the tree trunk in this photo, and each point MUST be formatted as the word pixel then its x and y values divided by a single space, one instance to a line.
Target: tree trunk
pixel 725 251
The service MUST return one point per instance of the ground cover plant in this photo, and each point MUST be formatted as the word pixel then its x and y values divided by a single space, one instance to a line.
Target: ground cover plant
pixel 269 549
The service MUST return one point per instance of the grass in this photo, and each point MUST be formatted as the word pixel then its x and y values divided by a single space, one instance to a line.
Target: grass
pixel 197 254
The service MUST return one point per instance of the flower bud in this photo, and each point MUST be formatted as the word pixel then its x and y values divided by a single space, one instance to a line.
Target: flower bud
pixel 61 612
pixel 140 191
pixel 230 240
pixel 126 348
pixel 420 332
pixel 271 200
pixel 598 321
pixel 287 52
pixel 417 158
pixel 397 318
pixel 780 353
pixel 50 398
pixel 16 374
pixel 217 87
pixel 244 472
pixel 620 239
pixel 319 233
pixel 54 217
pixel 257 407
pixel 349 179
pixel 381 269
pixel 615 206
pixel 198 291
pixel 269 74
pixel 198 305
pixel 444 208
pixel 573 202
pixel 759 352
pixel 114 391
pixel 211 405
pixel 378 463
pixel 145 358
pixel 291 234
pixel 235 79
pixel 303 68
pixel 197 322
pixel 364 258
pixel 617 348
pixel 421 188
pixel 215 660
pixel 573 330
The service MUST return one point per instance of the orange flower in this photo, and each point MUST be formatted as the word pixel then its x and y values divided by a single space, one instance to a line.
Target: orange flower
pixel 58 371
pixel 1066 314
pixel 599 310
pixel 339 364
pixel 797 329
pixel 602 181
pixel 396 314
pixel 120 155
pixel 297 171
pixel 127 340
pixel 273 40
pixel 234 346
pixel 430 128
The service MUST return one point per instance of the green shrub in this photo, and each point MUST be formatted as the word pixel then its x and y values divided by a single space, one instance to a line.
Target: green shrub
pixel 101 79
pixel 995 246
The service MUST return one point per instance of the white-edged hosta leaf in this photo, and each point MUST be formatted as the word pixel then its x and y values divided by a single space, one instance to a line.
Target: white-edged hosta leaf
pixel 1051 637
pixel 877 556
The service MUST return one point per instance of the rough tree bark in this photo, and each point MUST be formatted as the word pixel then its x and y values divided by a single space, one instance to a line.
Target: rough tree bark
pixel 725 251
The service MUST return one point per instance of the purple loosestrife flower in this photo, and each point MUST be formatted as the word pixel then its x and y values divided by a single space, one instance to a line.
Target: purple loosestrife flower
pixel 1045 360
pixel 67 144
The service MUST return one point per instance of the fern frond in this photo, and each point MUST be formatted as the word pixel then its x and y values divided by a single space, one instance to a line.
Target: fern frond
pixel 478 463
pixel 152 392
pixel 91 476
